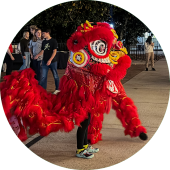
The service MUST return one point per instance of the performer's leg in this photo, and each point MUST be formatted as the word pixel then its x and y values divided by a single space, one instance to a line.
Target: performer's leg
pixel 82 151
pixel 85 138
pixel 81 131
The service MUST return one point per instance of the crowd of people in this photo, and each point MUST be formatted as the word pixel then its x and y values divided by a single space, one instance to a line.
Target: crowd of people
pixel 39 53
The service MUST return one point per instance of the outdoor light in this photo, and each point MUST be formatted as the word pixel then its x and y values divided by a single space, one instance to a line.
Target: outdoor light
pixel 111 25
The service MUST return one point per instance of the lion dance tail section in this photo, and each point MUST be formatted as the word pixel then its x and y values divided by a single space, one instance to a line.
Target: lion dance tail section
pixel 42 112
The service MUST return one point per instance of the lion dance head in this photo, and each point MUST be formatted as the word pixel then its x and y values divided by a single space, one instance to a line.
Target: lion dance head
pixel 96 49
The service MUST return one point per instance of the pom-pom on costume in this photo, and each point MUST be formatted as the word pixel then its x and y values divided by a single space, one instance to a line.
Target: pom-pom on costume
pixel 91 84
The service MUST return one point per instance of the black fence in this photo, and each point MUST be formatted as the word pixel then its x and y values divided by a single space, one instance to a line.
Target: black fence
pixel 136 52
pixel 61 47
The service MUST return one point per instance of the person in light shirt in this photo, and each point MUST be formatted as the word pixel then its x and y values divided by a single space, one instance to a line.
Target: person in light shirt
pixel 149 45
pixel 35 48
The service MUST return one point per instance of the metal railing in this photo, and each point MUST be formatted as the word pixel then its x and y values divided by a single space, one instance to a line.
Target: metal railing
pixel 136 52
pixel 61 47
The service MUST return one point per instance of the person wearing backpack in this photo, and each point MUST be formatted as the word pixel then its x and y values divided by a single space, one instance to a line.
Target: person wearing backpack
pixel 149 45
pixel 35 48
pixel 25 50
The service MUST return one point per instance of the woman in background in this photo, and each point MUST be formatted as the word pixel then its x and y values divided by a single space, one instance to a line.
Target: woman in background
pixel 149 45
pixel 34 49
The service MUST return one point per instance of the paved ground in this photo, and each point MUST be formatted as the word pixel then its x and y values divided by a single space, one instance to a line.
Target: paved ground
pixel 150 92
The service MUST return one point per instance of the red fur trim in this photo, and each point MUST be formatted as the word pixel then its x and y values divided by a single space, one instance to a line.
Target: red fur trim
pixel 6 106
pixel 119 71
pixel 135 131
pixel 121 117
pixel 81 42
pixel 115 104
pixel 100 69
pixel 33 129
pixel 68 124
pixel 108 105
pixel 104 90
pixel 104 24
pixel 100 33
pixel 81 93
pixel 97 98
pixel 110 94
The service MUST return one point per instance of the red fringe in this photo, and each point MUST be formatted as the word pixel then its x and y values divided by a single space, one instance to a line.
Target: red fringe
pixel 81 42
pixel 119 70
pixel 100 69
pixel 108 105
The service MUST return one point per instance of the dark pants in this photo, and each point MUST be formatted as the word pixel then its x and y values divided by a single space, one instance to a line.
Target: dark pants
pixel 82 133
pixel 31 63
pixel 36 68
pixel 44 73
pixel 9 64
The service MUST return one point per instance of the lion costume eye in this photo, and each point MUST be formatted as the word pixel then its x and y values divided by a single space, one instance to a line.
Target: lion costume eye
pixel 80 58
pixel 98 48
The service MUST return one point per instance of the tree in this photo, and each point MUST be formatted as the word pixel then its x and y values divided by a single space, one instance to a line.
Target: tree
pixel 127 26
pixel 64 18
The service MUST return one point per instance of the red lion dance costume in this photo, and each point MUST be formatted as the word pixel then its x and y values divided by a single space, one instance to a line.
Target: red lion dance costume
pixel 91 84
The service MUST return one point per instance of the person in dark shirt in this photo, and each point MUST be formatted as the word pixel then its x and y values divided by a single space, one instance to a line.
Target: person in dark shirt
pixel 49 50
pixel 25 51
pixel 9 60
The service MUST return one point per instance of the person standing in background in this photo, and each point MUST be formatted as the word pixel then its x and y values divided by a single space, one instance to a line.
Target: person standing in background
pixel 25 50
pixel 149 45
pixel 48 50
pixel 9 60
pixel 32 31
pixel 35 48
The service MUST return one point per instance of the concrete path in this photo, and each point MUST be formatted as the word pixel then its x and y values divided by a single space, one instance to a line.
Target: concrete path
pixel 150 93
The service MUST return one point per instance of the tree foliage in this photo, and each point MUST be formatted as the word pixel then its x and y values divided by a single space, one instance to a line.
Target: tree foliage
pixel 64 18
pixel 127 26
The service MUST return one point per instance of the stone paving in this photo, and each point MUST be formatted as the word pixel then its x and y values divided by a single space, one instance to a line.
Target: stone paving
pixel 150 93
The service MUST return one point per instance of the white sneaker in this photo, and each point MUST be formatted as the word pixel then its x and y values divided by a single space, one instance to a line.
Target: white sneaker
pixel 56 91
pixel 90 149
pixel 85 154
